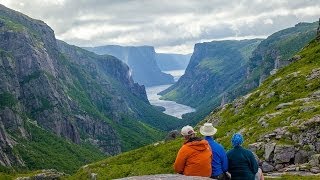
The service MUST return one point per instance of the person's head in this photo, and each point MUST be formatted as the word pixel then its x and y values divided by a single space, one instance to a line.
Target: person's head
pixel 187 132
pixel 237 140
pixel 208 130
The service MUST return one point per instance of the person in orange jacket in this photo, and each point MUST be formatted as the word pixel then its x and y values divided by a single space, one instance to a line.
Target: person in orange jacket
pixel 194 157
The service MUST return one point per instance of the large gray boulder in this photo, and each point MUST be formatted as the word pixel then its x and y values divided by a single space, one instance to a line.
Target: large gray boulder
pixel 301 157
pixel 266 167
pixel 283 153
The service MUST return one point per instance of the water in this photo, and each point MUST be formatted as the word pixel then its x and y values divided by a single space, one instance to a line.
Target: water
pixel 175 73
pixel 172 108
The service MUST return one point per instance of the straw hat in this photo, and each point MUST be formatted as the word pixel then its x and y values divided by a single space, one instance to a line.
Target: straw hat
pixel 208 130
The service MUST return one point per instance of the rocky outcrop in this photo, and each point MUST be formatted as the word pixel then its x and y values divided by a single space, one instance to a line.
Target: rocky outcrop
pixel 302 155
pixel 141 60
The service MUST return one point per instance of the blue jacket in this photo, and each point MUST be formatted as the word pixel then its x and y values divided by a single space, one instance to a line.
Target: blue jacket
pixel 219 161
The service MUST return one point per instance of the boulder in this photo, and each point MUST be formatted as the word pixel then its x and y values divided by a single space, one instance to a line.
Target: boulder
pixel 314 160
pixel 315 170
pixel 268 150
pixel 284 105
pixel 266 167
pixel 283 153
pixel 301 157
pixel 254 147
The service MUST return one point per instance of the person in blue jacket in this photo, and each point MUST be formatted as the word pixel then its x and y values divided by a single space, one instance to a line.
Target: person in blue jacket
pixel 219 160
pixel 242 163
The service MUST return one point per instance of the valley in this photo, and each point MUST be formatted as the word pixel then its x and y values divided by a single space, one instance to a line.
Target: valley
pixel 106 103
pixel 171 108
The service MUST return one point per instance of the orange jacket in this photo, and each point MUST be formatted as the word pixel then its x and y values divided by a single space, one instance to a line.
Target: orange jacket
pixel 194 159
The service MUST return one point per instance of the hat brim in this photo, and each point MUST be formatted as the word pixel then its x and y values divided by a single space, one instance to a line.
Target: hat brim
pixel 208 133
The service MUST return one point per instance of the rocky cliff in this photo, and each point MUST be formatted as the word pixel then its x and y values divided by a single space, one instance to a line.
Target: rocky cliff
pixel 168 62
pixel 141 60
pixel 61 106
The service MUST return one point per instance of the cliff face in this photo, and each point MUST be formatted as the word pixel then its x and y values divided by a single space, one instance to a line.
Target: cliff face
pixel 214 69
pixel 141 60
pixel 277 51
pixel 168 62
pixel 57 99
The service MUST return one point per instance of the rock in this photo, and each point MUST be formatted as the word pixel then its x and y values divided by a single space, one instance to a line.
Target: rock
pixel 284 105
pixel 255 146
pixel 279 166
pixel 266 167
pixel 271 94
pixel 315 170
pixel 315 74
pixel 165 177
pixel 314 160
pixel 317 145
pixel 172 135
pixel 284 153
pixel 93 176
pixel 268 150
pixel 301 157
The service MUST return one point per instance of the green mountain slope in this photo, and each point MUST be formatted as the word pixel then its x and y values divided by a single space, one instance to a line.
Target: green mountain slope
pixel 62 106
pixel 289 99
pixel 206 91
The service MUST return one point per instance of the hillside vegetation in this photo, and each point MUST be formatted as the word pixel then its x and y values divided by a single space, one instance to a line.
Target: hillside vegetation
pixel 298 83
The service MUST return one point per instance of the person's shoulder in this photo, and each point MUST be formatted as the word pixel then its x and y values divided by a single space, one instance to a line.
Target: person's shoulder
pixel 248 151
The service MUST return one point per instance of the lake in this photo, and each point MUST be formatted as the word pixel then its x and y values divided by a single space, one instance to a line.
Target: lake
pixel 172 108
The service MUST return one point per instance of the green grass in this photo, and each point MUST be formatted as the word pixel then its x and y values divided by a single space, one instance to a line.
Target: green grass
pixel 146 160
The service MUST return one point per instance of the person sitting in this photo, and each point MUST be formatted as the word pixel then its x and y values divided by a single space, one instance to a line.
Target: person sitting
pixel 219 160
pixel 194 157
pixel 242 164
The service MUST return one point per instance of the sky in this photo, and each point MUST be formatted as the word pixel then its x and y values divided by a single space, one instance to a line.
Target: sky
pixel 171 26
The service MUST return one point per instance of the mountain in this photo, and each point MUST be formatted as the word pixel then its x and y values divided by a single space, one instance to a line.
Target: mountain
pixel 140 59
pixel 168 62
pixel 215 68
pixel 277 51
pixel 62 106
pixel 279 120
pixel 263 59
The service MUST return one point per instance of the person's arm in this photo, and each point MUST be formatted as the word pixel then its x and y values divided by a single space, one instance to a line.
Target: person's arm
pixel 224 160
pixel 253 162
pixel 180 161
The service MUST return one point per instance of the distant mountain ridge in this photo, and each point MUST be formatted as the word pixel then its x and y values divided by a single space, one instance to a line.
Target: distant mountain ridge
pixel 167 62
pixel 140 59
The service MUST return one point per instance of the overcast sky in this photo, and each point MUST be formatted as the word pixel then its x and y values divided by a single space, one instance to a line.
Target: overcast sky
pixel 169 25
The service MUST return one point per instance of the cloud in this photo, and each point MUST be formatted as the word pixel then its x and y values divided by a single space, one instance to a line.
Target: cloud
pixel 170 26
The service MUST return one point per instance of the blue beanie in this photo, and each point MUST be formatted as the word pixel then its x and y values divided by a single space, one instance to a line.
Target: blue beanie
pixel 237 140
